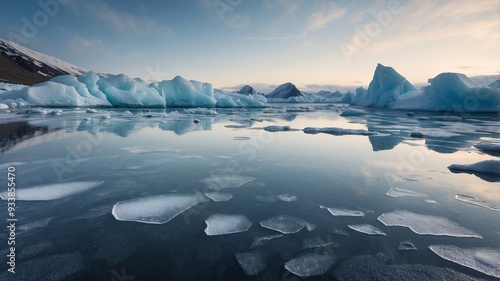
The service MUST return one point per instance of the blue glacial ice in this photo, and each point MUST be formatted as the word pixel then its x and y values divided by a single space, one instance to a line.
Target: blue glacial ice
pixel 426 224
pixel 222 224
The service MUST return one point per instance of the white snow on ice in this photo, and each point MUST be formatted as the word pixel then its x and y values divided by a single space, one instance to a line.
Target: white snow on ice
pixel 221 224
pixel 251 263
pixel 344 212
pixel 366 229
pixel 287 224
pixel 158 209
pixel 426 224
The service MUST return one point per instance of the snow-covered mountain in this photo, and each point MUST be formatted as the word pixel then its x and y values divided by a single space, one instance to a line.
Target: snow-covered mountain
pixel 21 65
pixel 285 91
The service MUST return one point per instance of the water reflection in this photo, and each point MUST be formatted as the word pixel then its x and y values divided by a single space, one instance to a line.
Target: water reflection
pixel 15 133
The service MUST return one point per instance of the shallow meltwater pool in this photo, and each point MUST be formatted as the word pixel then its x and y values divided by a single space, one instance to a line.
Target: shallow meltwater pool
pixel 289 192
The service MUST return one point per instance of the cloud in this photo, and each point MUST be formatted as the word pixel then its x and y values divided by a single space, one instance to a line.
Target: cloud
pixel 80 44
pixel 123 21
pixel 325 15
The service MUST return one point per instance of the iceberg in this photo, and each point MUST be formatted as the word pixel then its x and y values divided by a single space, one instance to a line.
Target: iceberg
pixel 219 224
pixel 51 191
pixel 310 265
pixel 94 90
pixel 487 166
pixel 484 260
pixel 287 224
pixel 366 229
pixel 251 263
pixel 385 88
pixel 426 224
pixel 155 209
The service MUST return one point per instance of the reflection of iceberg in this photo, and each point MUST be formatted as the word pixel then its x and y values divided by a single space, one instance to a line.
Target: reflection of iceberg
pixel 17 135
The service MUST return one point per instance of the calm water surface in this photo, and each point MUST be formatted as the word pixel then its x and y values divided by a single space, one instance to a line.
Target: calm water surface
pixel 348 172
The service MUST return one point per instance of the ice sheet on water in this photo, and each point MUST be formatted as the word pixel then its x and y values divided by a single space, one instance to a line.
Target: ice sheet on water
pixel 484 260
pixel 338 131
pixel 221 224
pixel 259 241
pixel 219 196
pixel 49 268
pixel 34 225
pixel 406 246
pixel 287 224
pixel 487 166
pixel 147 149
pixel 287 197
pixel 478 202
pixel 399 192
pixel 6 165
pixel 488 146
pixel 310 265
pixel 95 212
pixel 218 182
pixel 251 263
pixel 51 191
pixel 425 224
pixel 344 212
pixel 352 112
pixel 156 209
pixel 366 228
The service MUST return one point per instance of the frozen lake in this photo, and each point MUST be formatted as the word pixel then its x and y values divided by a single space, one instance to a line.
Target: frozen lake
pixel 151 194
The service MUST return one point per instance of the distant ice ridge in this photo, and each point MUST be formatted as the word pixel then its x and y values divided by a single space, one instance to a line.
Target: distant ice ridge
pixel 446 92
pixel 122 91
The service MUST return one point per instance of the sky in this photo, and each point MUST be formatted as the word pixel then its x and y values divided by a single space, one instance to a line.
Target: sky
pixel 314 44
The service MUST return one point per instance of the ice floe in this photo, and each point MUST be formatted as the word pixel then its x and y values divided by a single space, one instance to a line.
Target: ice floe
pixel 34 225
pixel 484 260
pixel 251 263
pixel 426 224
pixel 399 192
pixel 156 209
pixel 51 191
pixel 406 246
pixel 275 128
pixel 219 196
pixel 487 166
pixel 147 150
pixel 344 212
pixel 312 243
pixel 488 146
pixel 366 229
pixel 478 202
pixel 310 265
pixel 218 182
pixel 352 112
pixel 287 197
pixel 287 224
pixel 221 224
pixel 259 241
pixel 34 250
pixel 338 131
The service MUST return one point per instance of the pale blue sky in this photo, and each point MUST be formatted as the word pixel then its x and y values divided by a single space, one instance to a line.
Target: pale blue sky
pixel 233 42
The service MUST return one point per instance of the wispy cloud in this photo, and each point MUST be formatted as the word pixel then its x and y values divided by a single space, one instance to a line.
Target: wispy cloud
pixel 123 21
pixel 272 38
pixel 325 14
